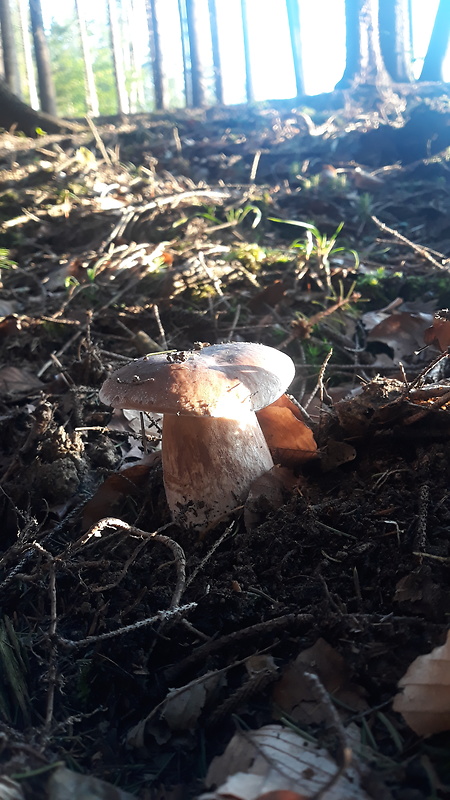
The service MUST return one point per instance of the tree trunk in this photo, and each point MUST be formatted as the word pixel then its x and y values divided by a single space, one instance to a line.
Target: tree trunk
pixel 437 49
pixel 395 39
pixel 185 52
pixel 27 53
pixel 156 54
pixel 11 69
pixel 91 90
pixel 117 56
pixel 293 12
pixel 41 51
pixel 136 91
pixel 198 86
pixel 218 83
pixel 249 90
pixel 364 62
pixel 15 113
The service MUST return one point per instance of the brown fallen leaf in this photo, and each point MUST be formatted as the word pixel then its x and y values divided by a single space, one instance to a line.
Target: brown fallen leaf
pixel 18 380
pixel 65 783
pixel 290 440
pixel 276 759
pixel 402 332
pixel 293 694
pixel 267 493
pixel 425 701
pixel 114 488
pixel 439 333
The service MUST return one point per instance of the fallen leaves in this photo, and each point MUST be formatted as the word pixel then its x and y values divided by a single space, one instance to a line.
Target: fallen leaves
pixel 424 702
pixel 290 440
pixel 275 759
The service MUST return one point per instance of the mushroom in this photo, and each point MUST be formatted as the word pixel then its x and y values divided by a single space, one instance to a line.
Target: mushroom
pixel 213 447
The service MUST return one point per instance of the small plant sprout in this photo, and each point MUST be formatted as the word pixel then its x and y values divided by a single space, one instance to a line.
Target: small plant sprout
pixel 318 247
pixel 213 447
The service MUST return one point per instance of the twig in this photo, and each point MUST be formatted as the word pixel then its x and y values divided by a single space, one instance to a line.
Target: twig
pixel 98 141
pixel 423 251
pixel 162 332
pixel 224 643
pixel 255 165
pixel 52 637
pixel 319 385
pixel 177 550
pixel 159 616
pixel 345 753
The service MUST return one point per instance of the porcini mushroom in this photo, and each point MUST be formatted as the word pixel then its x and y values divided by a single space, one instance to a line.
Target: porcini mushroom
pixel 212 445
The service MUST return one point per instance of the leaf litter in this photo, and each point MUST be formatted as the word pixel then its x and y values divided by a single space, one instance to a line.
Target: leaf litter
pixel 126 641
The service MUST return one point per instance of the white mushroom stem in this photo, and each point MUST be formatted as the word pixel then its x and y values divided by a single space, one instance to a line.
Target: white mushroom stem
pixel 209 464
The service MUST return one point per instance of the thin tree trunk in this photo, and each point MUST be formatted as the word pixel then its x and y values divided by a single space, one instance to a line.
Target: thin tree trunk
pixel 11 69
pixel 28 55
pixel 91 90
pixel 395 39
pixel 437 49
pixel 364 62
pixel 218 82
pixel 45 80
pixel 249 89
pixel 198 87
pixel 119 73
pixel 156 54
pixel 293 12
pixel 137 98
pixel 187 77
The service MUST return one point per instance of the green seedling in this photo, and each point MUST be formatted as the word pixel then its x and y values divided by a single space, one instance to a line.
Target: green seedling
pixel 318 247
pixel 5 262
pixel 235 216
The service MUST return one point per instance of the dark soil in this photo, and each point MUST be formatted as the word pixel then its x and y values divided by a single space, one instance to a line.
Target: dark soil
pixel 358 554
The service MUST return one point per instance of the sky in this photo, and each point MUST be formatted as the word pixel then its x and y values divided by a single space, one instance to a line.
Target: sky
pixel 323 35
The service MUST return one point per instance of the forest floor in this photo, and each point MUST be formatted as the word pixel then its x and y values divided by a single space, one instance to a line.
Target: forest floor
pixel 296 617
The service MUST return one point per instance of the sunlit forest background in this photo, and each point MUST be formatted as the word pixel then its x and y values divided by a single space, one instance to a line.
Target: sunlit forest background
pixel 135 55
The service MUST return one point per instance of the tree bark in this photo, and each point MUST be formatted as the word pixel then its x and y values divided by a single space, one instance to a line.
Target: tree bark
pixel 218 82
pixel 28 54
pixel 117 55
pixel 185 52
pixel 437 49
pixel 293 12
pixel 197 78
pixel 11 69
pixel 395 39
pixel 364 62
pixel 249 88
pixel 15 113
pixel 156 55
pixel 45 81
pixel 91 89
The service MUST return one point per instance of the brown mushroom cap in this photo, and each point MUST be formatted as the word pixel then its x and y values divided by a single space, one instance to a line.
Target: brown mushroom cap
pixel 221 380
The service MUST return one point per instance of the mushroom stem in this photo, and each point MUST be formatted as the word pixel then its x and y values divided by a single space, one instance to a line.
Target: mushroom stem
pixel 209 464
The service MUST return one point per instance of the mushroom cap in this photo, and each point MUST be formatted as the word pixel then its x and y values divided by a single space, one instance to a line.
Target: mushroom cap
pixel 220 380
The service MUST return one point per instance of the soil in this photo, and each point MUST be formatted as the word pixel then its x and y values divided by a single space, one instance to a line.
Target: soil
pixel 154 235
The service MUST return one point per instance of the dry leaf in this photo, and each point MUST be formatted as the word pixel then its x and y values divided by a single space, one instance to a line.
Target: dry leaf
pixel 290 440
pixel 65 784
pixel 17 380
pixel 10 790
pixel 267 493
pixel 336 453
pixel 402 332
pixel 183 706
pixel 439 333
pixel 425 701
pixel 275 759
pixel 293 693
pixel 114 488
